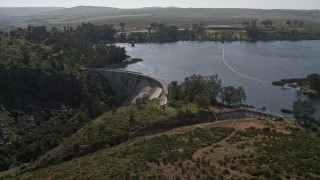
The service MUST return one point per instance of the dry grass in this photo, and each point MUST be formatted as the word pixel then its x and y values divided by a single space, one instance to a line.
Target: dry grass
pixel 233 156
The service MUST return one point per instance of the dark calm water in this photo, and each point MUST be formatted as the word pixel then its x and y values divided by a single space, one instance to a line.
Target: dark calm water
pixel 251 65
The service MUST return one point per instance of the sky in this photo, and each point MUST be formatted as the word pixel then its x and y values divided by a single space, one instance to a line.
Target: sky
pixel 257 4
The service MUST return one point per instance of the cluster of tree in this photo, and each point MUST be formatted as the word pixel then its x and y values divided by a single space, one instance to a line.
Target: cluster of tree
pixel 205 90
pixel 80 41
pixel 107 54
pixel 233 96
pixel 254 32
pixel 122 36
pixel 302 111
pixel 42 68
pixel 24 87
pixel 199 30
pixel 33 143
pixel 87 95
pixel 86 33
pixel 252 29
pixel 227 36
pixel 93 34
pixel 159 32
pixel 314 80
pixel 295 22
pixel 164 33
pixel 267 22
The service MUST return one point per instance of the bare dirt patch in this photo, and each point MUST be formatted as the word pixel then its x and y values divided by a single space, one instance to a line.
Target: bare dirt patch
pixel 240 125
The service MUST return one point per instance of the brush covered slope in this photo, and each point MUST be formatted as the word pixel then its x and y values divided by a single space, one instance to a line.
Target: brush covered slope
pixel 248 148
pixel 45 96
pixel 107 130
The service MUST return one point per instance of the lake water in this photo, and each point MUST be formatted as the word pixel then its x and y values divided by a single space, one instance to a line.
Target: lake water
pixel 250 65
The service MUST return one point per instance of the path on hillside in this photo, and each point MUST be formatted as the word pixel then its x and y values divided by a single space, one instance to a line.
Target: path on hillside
pixel 199 118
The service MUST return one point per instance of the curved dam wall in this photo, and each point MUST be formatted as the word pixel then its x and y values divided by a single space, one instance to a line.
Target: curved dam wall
pixel 128 86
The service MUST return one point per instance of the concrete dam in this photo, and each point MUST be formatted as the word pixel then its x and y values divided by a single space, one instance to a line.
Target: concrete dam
pixel 128 86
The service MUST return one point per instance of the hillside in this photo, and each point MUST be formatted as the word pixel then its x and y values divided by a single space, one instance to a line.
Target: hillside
pixel 45 95
pixel 248 148
pixel 26 11
pixel 108 130
pixel 171 15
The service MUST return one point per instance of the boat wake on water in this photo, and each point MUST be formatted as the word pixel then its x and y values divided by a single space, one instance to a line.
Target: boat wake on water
pixel 245 76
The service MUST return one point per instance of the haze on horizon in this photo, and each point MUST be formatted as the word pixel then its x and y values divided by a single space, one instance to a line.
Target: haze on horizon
pixel 256 4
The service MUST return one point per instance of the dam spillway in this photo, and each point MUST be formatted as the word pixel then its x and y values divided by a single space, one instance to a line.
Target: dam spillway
pixel 128 86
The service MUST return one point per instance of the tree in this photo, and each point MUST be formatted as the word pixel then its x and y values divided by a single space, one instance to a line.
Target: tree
pixel 240 96
pixel 314 80
pixel 116 54
pixel 227 95
pixel 132 119
pixel 288 22
pixel 192 86
pixel 165 33
pixel 267 22
pixel 4 163
pixel 107 54
pixel 149 30
pixel 140 102
pixel 12 33
pixel 90 33
pixel 36 34
pixel 213 87
pixel 122 25
pixel 295 22
pixel 203 102
pixel 154 26
pixel 233 96
pixel 98 107
pixel 196 87
pixel 301 23
pixel 174 90
pixel 252 29
pixel 302 110
pixel 54 30
pixel 26 57
pixel 199 29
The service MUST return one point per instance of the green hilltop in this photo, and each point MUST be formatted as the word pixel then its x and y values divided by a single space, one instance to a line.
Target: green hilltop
pixel 171 15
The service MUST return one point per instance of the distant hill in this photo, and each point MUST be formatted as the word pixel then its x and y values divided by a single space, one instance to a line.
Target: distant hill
pixel 144 16
pixel 82 10
pixel 26 11
pixel 11 17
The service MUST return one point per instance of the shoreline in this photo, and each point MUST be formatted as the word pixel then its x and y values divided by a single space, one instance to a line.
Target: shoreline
pixel 124 63
pixel 250 41
pixel 297 83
